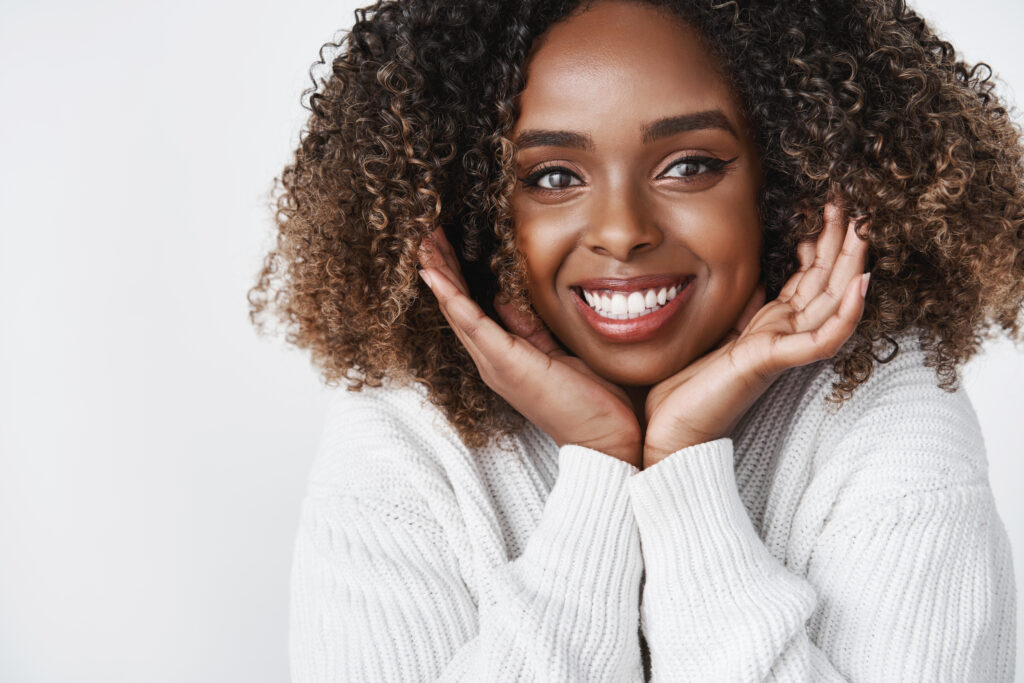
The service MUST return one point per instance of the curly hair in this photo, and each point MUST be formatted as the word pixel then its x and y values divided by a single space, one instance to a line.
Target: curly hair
pixel 408 132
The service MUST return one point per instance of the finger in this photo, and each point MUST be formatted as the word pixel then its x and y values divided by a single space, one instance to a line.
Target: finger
pixel 437 252
pixel 805 254
pixel 430 249
pixel 447 294
pixel 502 358
pixel 827 249
pixel 849 266
pixel 443 257
pixel 528 326
pixel 822 342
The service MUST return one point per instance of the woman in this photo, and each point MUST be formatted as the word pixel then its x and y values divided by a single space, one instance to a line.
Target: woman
pixel 698 447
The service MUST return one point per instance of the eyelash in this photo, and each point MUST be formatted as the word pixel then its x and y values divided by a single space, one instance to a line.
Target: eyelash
pixel 713 165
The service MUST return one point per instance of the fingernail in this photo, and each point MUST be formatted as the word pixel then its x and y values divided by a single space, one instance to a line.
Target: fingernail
pixel 864 283
pixel 426 278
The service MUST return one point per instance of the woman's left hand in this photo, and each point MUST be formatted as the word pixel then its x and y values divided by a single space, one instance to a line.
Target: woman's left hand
pixel 813 316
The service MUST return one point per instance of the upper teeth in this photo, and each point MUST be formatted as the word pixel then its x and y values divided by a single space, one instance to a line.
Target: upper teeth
pixel 622 305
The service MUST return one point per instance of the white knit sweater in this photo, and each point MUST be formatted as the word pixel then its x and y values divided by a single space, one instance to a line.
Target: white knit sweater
pixel 813 545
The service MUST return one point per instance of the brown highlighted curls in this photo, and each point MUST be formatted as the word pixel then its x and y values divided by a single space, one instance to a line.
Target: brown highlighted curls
pixel 860 99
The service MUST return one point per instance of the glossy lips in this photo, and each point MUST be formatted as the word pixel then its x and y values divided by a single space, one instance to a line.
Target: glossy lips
pixel 647 298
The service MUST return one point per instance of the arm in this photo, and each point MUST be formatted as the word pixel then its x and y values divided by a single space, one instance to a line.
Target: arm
pixel 377 594
pixel 918 587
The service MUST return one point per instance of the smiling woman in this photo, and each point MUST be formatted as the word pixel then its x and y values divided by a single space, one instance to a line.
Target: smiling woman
pixel 634 421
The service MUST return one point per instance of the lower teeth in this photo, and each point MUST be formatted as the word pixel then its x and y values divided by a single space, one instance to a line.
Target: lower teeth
pixel 625 316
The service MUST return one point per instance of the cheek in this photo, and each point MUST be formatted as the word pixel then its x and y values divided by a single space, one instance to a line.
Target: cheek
pixel 545 244
pixel 734 255
pixel 734 226
pixel 722 230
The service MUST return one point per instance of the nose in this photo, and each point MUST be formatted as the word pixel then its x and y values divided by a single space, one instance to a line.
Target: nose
pixel 621 227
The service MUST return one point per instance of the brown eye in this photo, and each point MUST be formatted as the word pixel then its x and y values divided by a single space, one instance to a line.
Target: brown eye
pixel 557 178
pixel 690 167
pixel 687 168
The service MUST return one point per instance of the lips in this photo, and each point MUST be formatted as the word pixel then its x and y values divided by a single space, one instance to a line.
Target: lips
pixel 631 284
pixel 651 304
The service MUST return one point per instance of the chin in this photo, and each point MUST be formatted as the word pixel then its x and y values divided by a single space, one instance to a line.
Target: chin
pixel 633 376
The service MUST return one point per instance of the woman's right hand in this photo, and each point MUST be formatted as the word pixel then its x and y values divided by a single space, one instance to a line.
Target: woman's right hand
pixel 527 367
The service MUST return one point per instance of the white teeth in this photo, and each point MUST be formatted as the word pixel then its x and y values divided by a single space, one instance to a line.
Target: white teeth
pixel 635 303
pixel 621 305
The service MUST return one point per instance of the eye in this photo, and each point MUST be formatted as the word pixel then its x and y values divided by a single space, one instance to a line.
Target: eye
pixel 690 167
pixel 551 178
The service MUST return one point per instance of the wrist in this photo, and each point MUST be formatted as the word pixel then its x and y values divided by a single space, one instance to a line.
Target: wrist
pixel 628 451
pixel 654 453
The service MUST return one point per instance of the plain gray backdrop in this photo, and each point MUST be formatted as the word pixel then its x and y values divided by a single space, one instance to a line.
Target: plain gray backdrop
pixel 153 450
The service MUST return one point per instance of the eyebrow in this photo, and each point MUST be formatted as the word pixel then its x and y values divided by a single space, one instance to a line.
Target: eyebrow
pixel 649 132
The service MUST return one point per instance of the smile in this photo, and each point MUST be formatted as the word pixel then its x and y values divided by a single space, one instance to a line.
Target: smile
pixel 628 305
pixel 631 315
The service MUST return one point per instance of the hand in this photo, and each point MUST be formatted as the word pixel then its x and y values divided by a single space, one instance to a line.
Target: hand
pixel 815 313
pixel 527 367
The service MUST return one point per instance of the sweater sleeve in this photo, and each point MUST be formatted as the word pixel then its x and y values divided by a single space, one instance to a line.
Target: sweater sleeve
pixel 377 594
pixel 919 588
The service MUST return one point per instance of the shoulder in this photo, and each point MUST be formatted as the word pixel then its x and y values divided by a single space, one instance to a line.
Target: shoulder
pixel 380 439
pixel 903 382
pixel 900 432
pixel 898 429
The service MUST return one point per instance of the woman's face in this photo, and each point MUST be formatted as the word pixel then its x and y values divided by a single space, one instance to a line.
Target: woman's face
pixel 640 182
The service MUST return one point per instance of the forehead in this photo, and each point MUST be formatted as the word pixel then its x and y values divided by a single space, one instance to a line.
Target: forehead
pixel 620 60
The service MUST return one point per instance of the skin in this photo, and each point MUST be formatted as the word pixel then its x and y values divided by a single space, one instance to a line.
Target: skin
pixel 629 207
pixel 624 206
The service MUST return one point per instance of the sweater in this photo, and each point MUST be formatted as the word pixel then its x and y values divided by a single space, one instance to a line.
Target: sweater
pixel 811 544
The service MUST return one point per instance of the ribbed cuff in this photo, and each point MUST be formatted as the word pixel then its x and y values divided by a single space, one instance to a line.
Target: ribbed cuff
pixel 588 534
pixel 689 514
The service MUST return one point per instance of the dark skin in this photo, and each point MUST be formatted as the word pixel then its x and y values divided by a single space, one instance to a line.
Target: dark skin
pixel 657 177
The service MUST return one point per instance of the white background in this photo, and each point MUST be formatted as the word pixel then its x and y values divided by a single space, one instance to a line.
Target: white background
pixel 153 450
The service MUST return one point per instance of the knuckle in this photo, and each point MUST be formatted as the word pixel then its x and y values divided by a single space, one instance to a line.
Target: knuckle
pixel 510 346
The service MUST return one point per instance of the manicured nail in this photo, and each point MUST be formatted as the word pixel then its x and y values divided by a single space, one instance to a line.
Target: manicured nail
pixel 864 283
pixel 426 278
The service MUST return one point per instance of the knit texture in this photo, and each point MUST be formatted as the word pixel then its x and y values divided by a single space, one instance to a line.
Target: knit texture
pixel 812 544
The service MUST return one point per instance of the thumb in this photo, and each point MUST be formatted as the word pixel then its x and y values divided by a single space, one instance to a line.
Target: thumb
pixel 526 325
